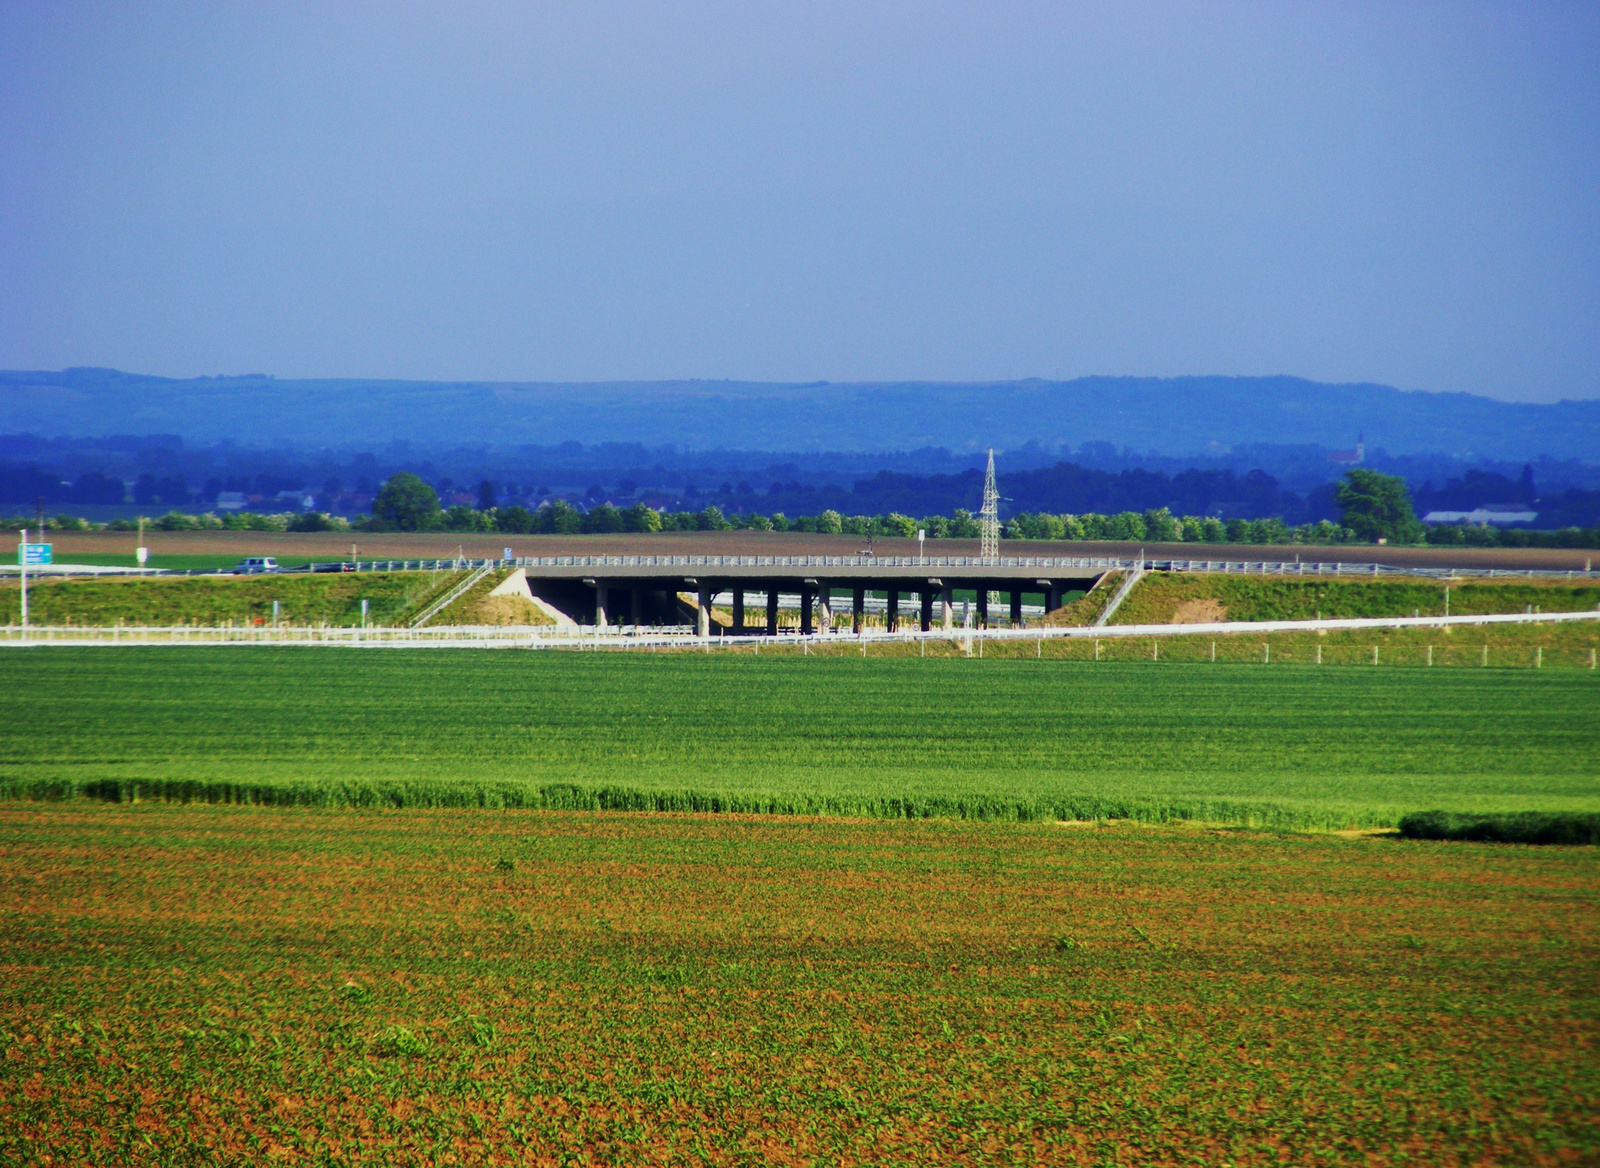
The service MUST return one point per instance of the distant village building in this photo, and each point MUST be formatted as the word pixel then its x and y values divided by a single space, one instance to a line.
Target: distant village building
pixel 304 500
pixel 230 501
pixel 1498 514
pixel 1351 457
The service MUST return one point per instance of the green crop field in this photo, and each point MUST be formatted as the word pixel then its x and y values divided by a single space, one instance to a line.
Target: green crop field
pixel 1285 744
pixel 225 985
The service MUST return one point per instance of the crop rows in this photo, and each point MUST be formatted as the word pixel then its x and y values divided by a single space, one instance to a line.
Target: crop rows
pixel 992 738
pixel 219 985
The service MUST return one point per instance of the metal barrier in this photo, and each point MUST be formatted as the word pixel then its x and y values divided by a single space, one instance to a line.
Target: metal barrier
pixel 1078 565
pixel 450 597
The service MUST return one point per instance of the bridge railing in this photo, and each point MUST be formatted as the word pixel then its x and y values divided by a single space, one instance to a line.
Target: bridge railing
pixel 1045 565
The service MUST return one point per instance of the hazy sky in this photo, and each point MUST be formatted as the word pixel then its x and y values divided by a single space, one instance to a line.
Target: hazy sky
pixel 1392 192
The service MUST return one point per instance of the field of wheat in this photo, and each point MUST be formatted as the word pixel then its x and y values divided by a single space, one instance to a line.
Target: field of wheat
pixel 997 737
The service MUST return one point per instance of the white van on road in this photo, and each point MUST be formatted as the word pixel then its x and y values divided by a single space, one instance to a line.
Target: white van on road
pixel 256 565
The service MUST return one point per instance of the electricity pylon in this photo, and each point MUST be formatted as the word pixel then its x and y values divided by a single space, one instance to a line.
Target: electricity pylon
pixel 989 517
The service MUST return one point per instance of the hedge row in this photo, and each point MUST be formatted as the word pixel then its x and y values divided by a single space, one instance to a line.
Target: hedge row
pixel 1507 827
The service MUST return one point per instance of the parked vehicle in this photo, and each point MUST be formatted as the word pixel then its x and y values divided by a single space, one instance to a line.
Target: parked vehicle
pixel 256 565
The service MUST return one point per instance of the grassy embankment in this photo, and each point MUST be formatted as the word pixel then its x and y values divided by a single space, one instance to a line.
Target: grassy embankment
pixel 1181 598
pixel 1163 598
pixel 334 598
pixel 1082 611
pixel 476 607
pixel 214 985
pixel 1283 745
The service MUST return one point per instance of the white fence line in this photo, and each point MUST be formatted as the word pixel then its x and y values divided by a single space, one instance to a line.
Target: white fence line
pixel 683 637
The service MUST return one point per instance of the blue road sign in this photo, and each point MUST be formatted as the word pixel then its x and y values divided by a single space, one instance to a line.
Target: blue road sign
pixel 33 553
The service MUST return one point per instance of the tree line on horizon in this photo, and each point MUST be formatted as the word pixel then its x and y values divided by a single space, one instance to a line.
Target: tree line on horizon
pixel 1375 508
pixel 1060 489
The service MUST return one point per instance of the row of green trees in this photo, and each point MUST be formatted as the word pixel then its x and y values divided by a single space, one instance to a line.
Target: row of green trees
pixel 1375 507
pixel 406 503
pixel 209 521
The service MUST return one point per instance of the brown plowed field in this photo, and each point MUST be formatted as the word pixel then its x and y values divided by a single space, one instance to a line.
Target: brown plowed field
pixel 337 545
pixel 226 985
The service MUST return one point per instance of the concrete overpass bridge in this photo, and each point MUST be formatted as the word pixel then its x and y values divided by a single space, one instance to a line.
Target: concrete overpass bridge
pixel 637 590
pixel 643 589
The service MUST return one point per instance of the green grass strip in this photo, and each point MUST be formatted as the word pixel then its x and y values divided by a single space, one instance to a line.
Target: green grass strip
pixel 393 794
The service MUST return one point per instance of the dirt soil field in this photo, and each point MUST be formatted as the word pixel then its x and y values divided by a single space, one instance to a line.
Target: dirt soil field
pixel 1199 612
pixel 185 985
pixel 337 545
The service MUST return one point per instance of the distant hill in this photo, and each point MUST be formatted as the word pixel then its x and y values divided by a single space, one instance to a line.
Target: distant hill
pixel 1179 415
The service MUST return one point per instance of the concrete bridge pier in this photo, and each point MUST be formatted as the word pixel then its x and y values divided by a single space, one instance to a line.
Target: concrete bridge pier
pixel 983 606
pixel 858 605
pixel 738 612
pixel 772 611
pixel 1016 608
pixel 891 611
pixel 703 610
pixel 947 606
pixel 636 606
pixel 808 598
pixel 926 597
pixel 824 607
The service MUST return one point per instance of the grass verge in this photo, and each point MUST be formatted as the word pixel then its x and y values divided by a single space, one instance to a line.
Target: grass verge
pixel 527 796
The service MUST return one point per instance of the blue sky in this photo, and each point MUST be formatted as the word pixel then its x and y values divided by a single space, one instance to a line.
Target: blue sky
pixel 1400 193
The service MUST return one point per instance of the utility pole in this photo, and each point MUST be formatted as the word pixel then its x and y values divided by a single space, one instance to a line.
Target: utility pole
pixel 22 567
